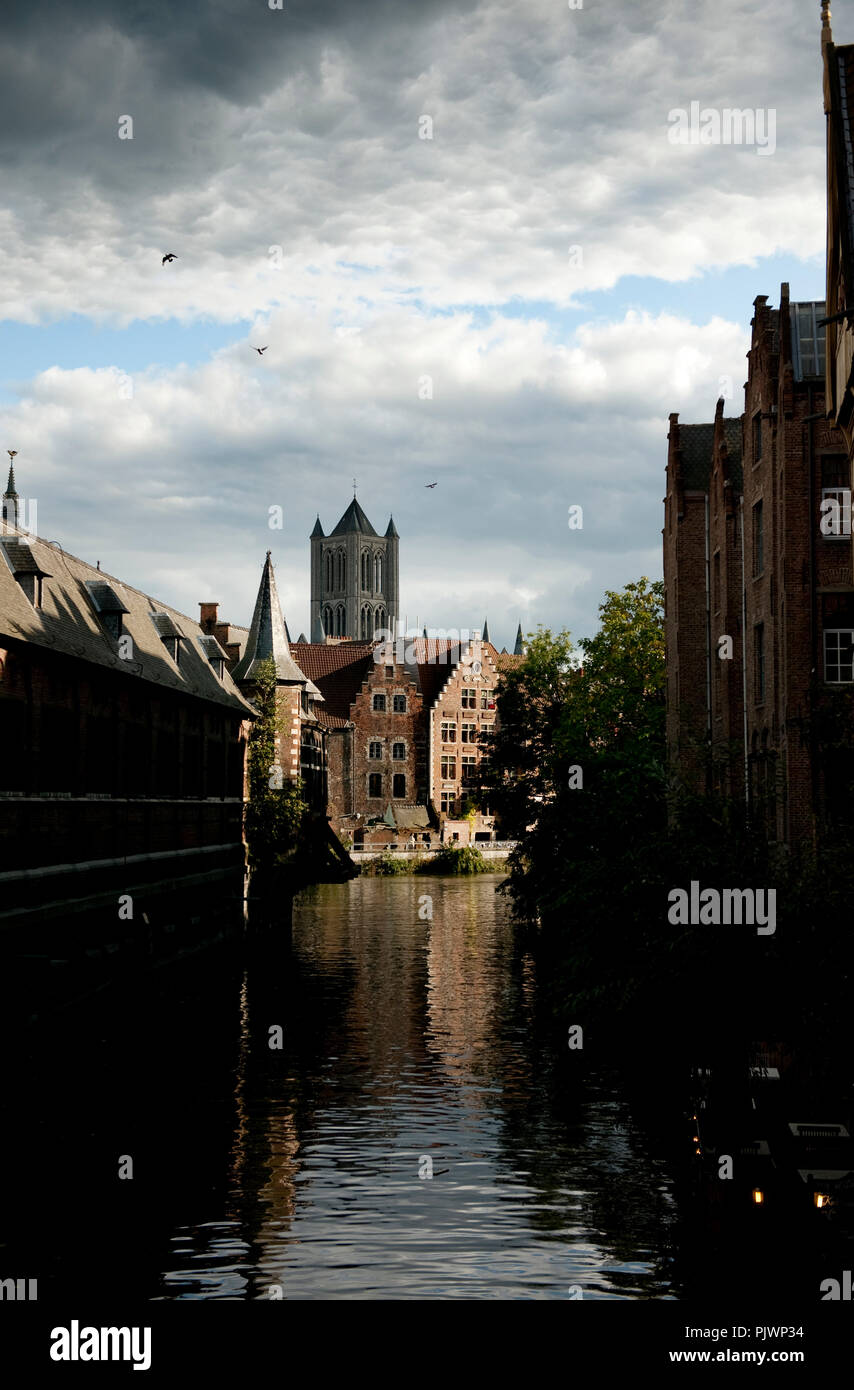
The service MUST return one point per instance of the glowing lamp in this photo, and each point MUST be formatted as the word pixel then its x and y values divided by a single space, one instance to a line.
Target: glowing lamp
pixel 758 1196
pixel 821 1199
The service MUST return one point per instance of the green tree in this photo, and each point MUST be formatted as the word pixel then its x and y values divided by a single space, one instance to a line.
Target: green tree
pixel 274 815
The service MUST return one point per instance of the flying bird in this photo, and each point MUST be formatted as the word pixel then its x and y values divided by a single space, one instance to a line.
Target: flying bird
pixel 170 256
pixel 259 350
pixel 431 484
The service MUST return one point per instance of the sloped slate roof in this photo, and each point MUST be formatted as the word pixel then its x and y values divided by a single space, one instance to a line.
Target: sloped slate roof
pixel 68 623
pixel 696 443
pixel 105 599
pixel 354 519
pixel 409 816
pixel 268 635
pixel 22 558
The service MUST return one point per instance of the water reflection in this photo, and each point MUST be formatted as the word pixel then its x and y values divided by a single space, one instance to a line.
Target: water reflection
pixel 409 1038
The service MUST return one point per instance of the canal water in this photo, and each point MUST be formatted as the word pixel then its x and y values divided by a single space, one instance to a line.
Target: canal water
pixel 372 1106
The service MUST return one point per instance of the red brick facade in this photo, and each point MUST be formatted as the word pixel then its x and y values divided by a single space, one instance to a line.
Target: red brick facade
pixel 746 557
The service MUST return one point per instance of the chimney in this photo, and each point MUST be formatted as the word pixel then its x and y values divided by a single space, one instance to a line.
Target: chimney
pixel 208 616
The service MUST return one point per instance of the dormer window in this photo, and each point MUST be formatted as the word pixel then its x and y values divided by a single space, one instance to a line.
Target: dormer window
pixel 108 606
pixel 170 635
pixel 26 569
pixel 215 655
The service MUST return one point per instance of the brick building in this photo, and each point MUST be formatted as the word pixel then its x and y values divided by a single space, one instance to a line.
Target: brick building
pixel 759 606
pixel 301 740
pixel 121 771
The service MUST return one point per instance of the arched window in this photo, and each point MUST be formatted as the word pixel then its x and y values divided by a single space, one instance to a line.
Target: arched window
pixel 329 558
pixel 379 619
pixel 327 622
pixel 366 570
pixel 378 574
pixel 340 621
pixel 342 570
pixel 366 621
pixel 398 752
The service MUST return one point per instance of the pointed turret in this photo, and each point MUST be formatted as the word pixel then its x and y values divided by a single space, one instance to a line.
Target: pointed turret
pixel 391 529
pixel 268 636
pixel 317 631
pixel 11 499
pixel 484 636
pixel 519 649
pixel 318 529
pixel 302 639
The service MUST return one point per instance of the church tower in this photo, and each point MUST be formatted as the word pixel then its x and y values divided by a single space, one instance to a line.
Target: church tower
pixel 354 578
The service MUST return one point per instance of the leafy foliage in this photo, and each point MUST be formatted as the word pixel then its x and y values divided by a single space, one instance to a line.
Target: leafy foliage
pixel 274 816
pixel 453 859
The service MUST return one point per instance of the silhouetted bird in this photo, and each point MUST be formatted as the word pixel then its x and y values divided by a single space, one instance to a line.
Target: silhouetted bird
pixel 170 256
pixel 430 484
pixel 259 350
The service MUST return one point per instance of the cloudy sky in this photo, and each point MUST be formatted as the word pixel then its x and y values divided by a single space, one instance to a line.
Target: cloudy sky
pixel 462 228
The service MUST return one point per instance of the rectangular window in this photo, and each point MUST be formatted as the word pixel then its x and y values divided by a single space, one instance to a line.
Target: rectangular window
pixel 839 655
pixel 375 784
pixel 486 731
pixel 379 702
pixel 487 699
pixel 835 513
pixel 449 731
pixel 759 661
pixel 808 339
pixel 448 803
pixel 375 750
pixel 400 704
pixel 469 699
pixel 449 766
pixel 398 752
pixel 469 763
pixel 468 734
pixel 389 673
pixel 757 437
pixel 758 539
pixel 399 785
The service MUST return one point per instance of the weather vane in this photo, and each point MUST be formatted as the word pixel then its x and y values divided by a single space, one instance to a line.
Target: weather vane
pixel 354 487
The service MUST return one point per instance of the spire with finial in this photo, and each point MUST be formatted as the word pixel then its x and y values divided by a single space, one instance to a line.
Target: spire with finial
pixel 268 636
pixel 826 34
pixel 484 636
pixel 519 649
pixel 10 496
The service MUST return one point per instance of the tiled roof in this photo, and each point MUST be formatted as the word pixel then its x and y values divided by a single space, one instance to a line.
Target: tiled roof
pixel 508 661
pixel 331 721
pixel 68 623
pixel 337 671
pixel 317 659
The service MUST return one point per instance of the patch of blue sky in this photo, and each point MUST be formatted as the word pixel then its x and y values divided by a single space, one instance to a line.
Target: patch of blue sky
pixel 27 349
pixel 727 294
